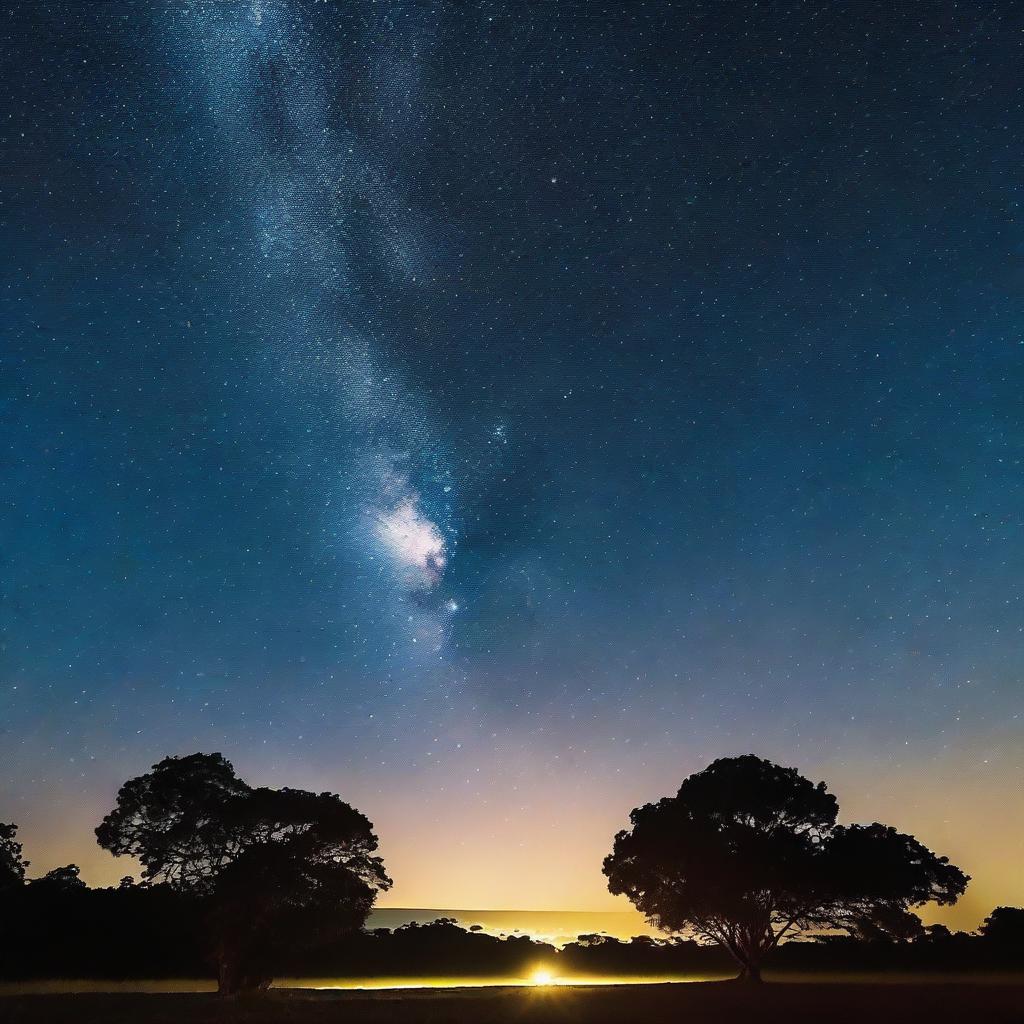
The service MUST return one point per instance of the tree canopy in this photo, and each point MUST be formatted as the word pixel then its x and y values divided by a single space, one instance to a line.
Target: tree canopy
pixel 275 866
pixel 64 879
pixel 1005 925
pixel 12 865
pixel 748 853
pixel 178 820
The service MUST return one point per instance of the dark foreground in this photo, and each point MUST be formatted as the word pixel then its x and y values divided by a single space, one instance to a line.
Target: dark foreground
pixel 713 1002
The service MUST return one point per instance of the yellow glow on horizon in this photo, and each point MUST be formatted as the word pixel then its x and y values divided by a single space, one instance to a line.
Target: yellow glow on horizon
pixel 540 978
pixel 466 855
pixel 383 983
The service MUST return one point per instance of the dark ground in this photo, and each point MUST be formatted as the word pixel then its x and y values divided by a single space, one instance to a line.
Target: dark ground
pixel 714 1002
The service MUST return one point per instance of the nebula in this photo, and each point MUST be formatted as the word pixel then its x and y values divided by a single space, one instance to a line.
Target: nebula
pixel 413 540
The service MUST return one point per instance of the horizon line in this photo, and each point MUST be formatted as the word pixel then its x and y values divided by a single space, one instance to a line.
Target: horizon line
pixel 502 910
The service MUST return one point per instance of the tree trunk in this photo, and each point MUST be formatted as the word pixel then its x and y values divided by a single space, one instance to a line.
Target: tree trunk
pixel 749 961
pixel 227 983
pixel 234 978
pixel 231 979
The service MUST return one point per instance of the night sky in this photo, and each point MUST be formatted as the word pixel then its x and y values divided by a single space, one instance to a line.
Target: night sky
pixel 493 412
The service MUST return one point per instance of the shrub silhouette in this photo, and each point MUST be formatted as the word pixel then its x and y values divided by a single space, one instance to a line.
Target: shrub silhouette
pixel 58 880
pixel 748 853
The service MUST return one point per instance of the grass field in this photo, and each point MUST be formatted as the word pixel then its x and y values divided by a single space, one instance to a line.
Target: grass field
pixel 992 1002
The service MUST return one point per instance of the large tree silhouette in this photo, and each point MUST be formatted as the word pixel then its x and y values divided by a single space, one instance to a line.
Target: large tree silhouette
pixel 276 869
pixel 748 853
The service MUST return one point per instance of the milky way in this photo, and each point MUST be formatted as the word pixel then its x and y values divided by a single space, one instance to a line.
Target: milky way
pixel 493 412
pixel 299 171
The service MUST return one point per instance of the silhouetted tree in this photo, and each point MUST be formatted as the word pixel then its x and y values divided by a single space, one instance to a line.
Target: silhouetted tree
pixel 885 923
pixel 179 820
pixel 12 865
pixel 60 880
pixel 277 898
pixel 276 868
pixel 1005 925
pixel 872 873
pixel 748 853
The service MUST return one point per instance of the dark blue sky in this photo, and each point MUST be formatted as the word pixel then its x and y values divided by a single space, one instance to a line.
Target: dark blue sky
pixel 493 412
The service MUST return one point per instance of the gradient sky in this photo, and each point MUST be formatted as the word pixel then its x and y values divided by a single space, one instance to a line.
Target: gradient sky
pixel 494 412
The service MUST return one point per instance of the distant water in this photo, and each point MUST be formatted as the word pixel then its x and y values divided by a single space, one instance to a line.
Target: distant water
pixel 554 926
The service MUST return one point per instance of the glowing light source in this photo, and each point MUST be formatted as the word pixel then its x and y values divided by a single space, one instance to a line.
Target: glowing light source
pixel 542 976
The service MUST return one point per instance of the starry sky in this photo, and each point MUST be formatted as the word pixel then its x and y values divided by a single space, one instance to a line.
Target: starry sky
pixel 494 412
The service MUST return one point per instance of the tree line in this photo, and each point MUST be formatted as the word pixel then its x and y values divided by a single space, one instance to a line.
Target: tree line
pixel 252 883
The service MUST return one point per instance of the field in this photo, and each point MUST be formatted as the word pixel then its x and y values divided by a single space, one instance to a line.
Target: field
pixel 992 1002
